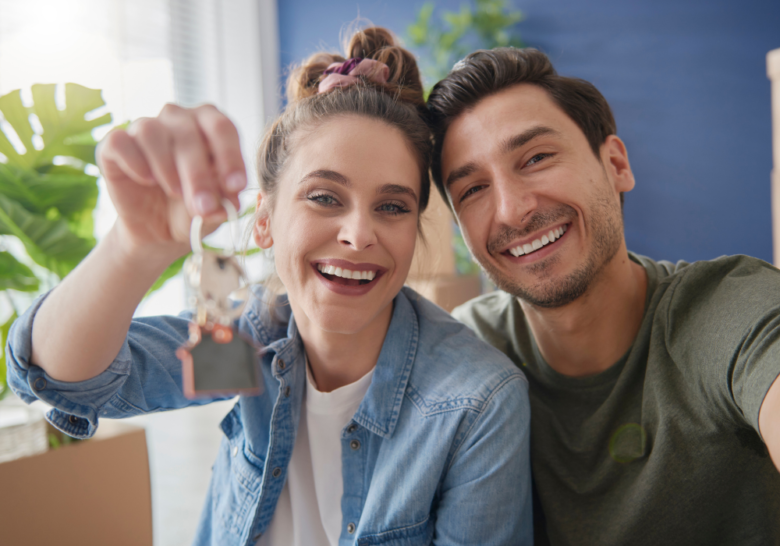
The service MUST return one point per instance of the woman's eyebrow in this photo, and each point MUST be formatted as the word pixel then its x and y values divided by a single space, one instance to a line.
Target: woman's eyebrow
pixel 327 175
pixel 396 189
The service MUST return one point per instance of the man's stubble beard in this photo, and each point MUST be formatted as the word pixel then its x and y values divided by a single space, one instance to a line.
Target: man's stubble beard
pixel 607 229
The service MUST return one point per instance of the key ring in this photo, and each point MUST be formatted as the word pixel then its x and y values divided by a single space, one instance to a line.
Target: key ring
pixel 216 359
pixel 196 244
pixel 215 277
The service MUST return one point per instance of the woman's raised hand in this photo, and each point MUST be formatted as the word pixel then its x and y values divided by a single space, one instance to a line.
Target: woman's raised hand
pixel 162 171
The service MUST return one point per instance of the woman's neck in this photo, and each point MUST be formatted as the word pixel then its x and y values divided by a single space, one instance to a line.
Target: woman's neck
pixel 337 359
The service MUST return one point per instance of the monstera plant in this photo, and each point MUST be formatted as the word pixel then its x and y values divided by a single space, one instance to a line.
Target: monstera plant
pixel 47 197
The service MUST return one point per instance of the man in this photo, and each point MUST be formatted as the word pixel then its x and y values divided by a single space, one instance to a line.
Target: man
pixel 654 391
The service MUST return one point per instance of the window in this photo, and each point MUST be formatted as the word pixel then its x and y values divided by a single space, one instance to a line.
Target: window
pixel 144 54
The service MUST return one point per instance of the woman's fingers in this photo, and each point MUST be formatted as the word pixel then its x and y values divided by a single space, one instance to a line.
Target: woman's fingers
pixel 194 154
pixel 154 140
pixel 200 184
pixel 223 141
pixel 118 151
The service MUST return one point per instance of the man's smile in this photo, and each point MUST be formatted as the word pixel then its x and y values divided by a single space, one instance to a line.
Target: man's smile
pixel 531 246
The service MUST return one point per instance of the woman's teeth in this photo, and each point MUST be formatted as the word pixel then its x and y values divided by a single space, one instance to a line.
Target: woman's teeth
pixel 346 273
pixel 545 240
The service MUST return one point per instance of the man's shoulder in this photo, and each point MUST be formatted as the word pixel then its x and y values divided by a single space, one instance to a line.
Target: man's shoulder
pixel 724 277
pixel 490 315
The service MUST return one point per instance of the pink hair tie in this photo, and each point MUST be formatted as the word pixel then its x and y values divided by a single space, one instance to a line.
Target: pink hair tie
pixel 349 72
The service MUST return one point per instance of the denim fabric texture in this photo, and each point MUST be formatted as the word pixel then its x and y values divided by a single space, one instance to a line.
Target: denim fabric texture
pixel 437 452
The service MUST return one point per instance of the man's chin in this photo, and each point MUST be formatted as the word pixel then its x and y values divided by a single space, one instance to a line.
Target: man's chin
pixel 550 291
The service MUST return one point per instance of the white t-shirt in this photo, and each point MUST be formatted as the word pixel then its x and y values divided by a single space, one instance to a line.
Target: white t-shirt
pixel 308 512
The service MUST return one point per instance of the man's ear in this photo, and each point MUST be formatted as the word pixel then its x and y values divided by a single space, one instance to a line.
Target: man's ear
pixel 262 228
pixel 614 157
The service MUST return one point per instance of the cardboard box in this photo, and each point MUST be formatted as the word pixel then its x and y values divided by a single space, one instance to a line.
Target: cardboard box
pixel 90 493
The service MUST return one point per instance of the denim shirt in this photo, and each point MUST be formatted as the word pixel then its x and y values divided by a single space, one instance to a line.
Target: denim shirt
pixel 437 452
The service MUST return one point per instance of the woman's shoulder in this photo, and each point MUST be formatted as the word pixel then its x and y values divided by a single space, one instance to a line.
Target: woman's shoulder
pixel 452 363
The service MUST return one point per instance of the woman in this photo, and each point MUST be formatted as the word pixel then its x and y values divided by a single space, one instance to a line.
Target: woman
pixel 382 420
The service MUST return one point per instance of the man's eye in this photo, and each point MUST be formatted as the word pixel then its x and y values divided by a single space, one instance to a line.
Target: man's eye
pixel 537 158
pixel 470 191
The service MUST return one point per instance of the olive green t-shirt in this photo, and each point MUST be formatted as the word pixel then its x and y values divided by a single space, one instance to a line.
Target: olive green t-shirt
pixel 663 447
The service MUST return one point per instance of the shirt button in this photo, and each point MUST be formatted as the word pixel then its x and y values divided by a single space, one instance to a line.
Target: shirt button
pixel 351 428
pixel 355 445
pixel 281 364
pixel 235 451
pixel 277 472
pixel 39 384
pixel 287 392
pixel 73 420
pixel 350 528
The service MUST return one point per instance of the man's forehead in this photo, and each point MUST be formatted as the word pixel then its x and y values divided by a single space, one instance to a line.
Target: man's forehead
pixel 522 103
pixel 488 125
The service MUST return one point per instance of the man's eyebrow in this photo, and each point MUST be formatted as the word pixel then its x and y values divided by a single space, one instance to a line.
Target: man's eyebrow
pixel 396 189
pixel 512 143
pixel 461 172
pixel 516 141
pixel 327 175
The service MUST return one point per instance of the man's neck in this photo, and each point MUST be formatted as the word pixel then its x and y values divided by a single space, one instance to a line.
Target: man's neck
pixel 593 332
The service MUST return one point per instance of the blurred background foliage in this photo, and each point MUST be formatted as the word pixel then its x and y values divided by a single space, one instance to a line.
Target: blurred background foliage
pixel 440 38
pixel 47 196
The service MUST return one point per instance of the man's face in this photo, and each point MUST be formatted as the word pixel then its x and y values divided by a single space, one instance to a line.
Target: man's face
pixel 538 210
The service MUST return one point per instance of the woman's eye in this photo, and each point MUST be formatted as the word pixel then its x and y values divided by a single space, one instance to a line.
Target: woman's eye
pixel 393 208
pixel 323 199
pixel 537 158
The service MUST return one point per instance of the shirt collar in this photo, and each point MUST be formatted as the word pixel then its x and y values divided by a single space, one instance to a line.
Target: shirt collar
pixel 381 406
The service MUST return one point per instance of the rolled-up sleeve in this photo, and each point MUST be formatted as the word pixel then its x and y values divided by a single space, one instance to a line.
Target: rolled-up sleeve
pixel 144 377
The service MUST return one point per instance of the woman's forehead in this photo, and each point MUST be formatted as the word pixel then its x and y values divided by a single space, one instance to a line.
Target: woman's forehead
pixel 357 148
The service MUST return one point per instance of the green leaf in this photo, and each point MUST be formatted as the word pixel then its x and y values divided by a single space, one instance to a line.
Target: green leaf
pixel 14 275
pixel 172 271
pixel 65 132
pixel 3 338
pixel 49 242
pixel 64 188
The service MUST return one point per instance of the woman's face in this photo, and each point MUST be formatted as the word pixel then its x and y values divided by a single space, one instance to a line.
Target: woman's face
pixel 344 223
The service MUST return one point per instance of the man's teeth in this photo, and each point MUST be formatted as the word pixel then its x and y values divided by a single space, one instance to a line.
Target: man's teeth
pixel 544 240
pixel 346 273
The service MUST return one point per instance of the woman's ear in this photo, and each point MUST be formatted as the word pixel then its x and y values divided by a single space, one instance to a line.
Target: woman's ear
pixel 262 228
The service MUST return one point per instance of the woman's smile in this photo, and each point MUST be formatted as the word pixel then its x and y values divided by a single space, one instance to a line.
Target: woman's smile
pixel 347 278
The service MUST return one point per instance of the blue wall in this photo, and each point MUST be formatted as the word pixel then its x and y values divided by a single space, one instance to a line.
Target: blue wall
pixel 687 83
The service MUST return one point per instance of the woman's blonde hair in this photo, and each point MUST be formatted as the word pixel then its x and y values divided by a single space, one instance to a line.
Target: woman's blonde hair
pixel 399 102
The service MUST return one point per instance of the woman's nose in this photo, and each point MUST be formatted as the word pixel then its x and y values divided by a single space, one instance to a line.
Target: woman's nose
pixel 357 231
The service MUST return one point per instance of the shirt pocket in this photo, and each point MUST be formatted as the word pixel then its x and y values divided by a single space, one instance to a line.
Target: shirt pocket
pixel 418 534
pixel 238 475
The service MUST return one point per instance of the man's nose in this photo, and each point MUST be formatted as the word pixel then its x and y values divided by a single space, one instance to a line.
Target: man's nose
pixel 514 201
pixel 358 230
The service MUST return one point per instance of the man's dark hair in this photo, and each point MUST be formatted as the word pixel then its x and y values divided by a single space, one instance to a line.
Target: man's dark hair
pixel 486 72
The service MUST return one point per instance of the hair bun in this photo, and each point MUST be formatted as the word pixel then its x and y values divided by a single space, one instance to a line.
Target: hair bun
pixel 375 43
